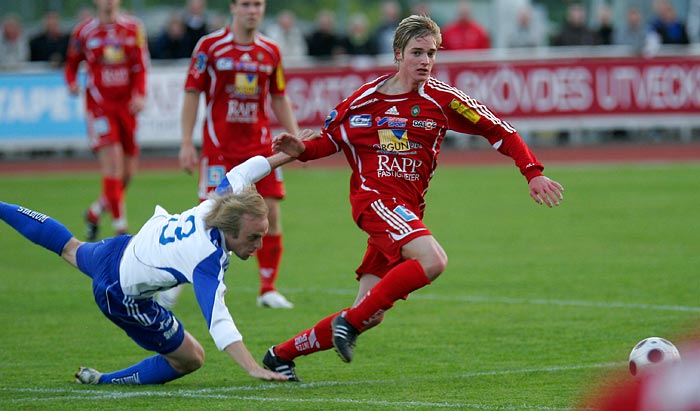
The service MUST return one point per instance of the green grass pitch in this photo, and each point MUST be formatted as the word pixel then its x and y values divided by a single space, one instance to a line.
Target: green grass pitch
pixel 535 305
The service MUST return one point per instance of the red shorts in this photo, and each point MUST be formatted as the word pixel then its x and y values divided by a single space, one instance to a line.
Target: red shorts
pixel 390 225
pixel 212 171
pixel 114 126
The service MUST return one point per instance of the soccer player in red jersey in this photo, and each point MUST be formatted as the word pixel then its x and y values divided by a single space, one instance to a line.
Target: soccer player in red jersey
pixel 114 49
pixel 237 68
pixel 390 131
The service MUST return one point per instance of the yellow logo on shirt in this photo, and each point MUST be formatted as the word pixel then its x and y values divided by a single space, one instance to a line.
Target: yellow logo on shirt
pixel 246 84
pixel 394 140
pixel 114 54
pixel 465 111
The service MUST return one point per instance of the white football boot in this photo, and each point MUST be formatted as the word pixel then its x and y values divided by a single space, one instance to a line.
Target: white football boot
pixel 273 299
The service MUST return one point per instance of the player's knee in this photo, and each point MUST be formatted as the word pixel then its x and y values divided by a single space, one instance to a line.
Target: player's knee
pixel 434 265
pixel 193 362
pixel 189 358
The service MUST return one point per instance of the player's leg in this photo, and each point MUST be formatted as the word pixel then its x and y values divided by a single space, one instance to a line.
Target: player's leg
pixel 280 357
pixel 130 161
pixel 269 258
pixel 111 158
pixel 41 230
pixel 157 369
pixel 129 146
pixel 415 259
pixel 270 255
pixel 151 326
pixel 100 133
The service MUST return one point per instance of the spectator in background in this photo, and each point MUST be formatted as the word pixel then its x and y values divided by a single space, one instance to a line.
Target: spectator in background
pixel 323 42
pixel 383 36
pixel 288 36
pixel 358 42
pixel 421 8
pixel 634 33
pixel 51 43
pixel 170 43
pixel 605 25
pixel 465 33
pixel 195 23
pixel 667 25
pixel 525 33
pixel 574 31
pixel 14 48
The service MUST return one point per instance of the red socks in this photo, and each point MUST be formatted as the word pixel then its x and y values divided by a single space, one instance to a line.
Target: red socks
pixel 317 338
pixel 113 190
pixel 397 283
pixel 269 257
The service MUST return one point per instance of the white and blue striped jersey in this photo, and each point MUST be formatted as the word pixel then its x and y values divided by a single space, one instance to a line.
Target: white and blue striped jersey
pixel 179 248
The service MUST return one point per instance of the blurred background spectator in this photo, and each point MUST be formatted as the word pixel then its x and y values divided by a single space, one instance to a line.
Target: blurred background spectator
pixel 511 23
pixel 574 31
pixel 465 33
pixel 634 32
pixel 14 48
pixel 383 35
pixel 525 33
pixel 667 25
pixel 323 42
pixel 51 43
pixel 195 23
pixel 170 43
pixel 421 8
pixel 357 41
pixel 605 25
pixel 288 36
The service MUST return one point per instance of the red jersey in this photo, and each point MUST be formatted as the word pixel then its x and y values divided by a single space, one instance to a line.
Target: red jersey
pixel 392 141
pixel 236 79
pixel 116 55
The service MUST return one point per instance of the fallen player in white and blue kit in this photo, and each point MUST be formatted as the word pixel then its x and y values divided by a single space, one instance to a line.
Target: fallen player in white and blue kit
pixel 170 249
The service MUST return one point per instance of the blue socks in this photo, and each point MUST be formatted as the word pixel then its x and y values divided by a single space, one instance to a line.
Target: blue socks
pixel 36 227
pixel 152 370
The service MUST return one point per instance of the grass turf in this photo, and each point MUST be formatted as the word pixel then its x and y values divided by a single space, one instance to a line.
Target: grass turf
pixel 535 305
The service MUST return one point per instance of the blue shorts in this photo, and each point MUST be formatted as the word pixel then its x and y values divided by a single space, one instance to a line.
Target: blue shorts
pixel 149 324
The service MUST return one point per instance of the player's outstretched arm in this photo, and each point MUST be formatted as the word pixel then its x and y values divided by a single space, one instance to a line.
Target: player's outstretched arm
pixel 241 355
pixel 279 159
pixel 288 144
pixel 546 191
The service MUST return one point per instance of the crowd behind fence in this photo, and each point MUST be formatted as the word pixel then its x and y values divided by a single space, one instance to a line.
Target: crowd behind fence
pixel 637 80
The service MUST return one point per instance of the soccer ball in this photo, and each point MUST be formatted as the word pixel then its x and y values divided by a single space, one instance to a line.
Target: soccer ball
pixel 651 352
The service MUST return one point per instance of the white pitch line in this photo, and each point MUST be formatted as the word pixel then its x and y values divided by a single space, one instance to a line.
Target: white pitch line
pixel 427 404
pixel 505 300
pixel 226 393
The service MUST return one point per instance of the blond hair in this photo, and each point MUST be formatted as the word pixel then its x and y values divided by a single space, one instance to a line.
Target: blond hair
pixel 415 26
pixel 229 209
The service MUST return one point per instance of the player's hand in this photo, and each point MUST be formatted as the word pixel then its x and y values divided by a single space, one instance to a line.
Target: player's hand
pixel 288 144
pixel 307 134
pixel 189 158
pixel 137 104
pixel 546 191
pixel 267 375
